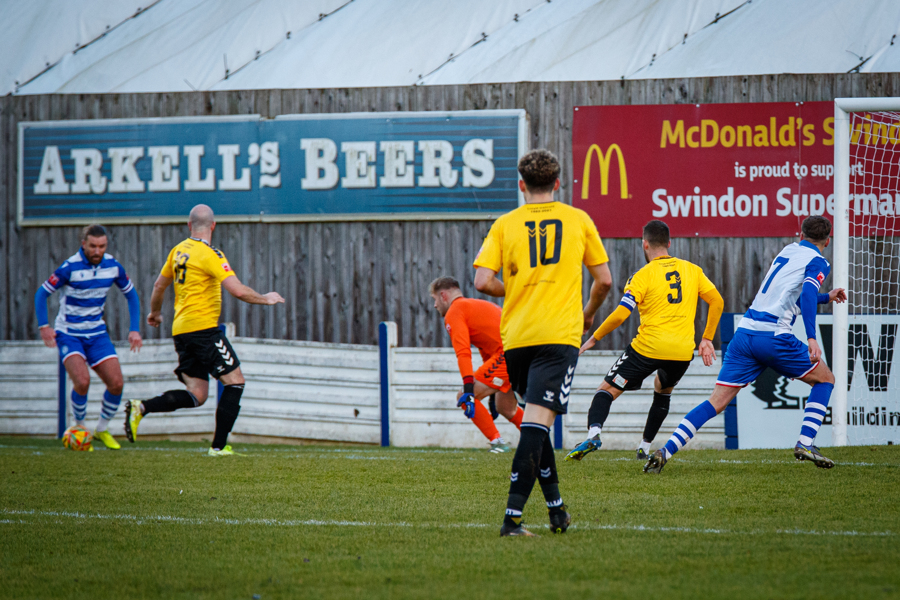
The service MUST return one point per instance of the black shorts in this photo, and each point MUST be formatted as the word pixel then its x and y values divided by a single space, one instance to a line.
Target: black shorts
pixel 204 353
pixel 632 368
pixel 543 374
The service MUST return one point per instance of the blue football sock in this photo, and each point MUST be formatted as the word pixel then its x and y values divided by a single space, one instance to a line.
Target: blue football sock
pixel 108 411
pixel 79 407
pixel 816 407
pixel 688 427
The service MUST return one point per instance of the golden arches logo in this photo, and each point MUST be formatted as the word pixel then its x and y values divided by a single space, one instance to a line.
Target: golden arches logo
pixel 603 161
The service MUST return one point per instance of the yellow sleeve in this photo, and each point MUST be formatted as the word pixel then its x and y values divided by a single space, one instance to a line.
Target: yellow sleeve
pixel 167 266
pixel 594 252
pixel 491 253
pixel 711 296
pixel 637 286
pixel 616 318
pixel 705 284
pixel 216 265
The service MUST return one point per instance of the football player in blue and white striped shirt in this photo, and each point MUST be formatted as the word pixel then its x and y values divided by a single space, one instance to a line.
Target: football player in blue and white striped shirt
pixel 79 332
pixel 764 338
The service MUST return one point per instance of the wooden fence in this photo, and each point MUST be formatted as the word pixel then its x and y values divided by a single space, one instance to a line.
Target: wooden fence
pixel 342 278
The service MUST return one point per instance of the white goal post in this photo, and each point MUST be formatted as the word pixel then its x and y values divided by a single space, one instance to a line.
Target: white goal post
pixel 867 261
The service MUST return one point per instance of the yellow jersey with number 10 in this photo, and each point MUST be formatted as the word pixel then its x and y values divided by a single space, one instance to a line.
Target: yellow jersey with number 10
pixel 197 270
pixel 666 291
pixel 539 248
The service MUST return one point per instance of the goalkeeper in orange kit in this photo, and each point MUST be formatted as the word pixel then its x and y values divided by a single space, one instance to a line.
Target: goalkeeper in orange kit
pixel 477 322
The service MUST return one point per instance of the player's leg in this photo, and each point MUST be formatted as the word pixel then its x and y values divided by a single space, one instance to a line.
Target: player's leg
pixel 80 375
pixel 667 377
pixel 821 379
pixel 508 407
pixel 72 354
pixel 110 372
pixel 658 412
pixel 190 372
pixel 481 417
pixel 548 379
pixel 628 373
pixel 494 377
pixel 740 366
pixel 223 363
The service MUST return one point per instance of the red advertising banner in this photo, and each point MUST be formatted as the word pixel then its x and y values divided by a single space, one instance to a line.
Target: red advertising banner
pixel 715 170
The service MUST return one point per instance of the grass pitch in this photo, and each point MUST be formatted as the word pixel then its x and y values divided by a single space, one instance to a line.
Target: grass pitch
pixel 162 520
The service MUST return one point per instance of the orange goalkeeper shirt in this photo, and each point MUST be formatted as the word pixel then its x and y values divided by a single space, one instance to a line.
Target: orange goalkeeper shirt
pixel 471 322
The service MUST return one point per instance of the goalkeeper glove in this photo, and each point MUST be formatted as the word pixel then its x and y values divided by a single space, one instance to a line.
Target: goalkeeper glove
pixel 467 400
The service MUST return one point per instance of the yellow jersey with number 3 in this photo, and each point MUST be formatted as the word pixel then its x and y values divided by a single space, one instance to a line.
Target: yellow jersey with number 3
pixel 665 292
pixel 539 248
pixel 197 270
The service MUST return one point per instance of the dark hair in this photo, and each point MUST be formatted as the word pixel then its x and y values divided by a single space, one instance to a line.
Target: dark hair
pixel 657 234
pixel 539 170
pixel 443 283
pixel 95 230
pixel 816 228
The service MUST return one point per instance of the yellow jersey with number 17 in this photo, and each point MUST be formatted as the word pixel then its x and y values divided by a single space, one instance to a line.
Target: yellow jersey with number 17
pixel 539 248
pixel 198 270
pixel 665 291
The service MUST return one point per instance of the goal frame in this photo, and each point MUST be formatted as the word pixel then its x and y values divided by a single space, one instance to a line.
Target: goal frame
pixel 843 108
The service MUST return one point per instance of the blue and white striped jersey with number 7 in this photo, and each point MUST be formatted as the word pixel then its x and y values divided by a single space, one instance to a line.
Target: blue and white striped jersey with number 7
pixel 777 303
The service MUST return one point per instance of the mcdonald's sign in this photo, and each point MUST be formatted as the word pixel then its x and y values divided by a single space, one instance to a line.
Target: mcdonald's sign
pixel 603 161
pixel 714 170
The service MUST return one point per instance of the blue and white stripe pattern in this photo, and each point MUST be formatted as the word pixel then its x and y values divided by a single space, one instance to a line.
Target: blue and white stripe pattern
pixel 815 411
pixel 688 427
pixel 79 407
pixel 83 288
pixel 776 305
pixel 110 405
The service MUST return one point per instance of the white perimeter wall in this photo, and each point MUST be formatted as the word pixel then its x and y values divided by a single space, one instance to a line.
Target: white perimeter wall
pixel 332 392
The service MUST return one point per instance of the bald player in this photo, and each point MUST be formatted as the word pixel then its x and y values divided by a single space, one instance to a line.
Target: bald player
pixel 199 270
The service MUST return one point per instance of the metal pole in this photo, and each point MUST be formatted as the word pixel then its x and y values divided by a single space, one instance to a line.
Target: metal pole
pixel 841 272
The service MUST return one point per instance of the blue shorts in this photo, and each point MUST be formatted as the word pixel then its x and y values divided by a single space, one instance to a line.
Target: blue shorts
pixel 748 354
pixel 94 349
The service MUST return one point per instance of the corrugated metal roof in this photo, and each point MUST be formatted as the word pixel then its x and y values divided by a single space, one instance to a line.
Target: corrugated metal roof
pixel 180 45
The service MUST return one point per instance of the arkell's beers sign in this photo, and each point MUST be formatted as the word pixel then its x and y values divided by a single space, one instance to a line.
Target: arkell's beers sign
pixel 718 170
pixel 295 167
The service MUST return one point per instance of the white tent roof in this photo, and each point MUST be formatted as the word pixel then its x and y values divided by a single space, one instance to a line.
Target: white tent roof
pixel 180 45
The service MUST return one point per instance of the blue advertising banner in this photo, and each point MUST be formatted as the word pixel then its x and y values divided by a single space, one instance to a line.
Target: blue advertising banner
pixel 352 166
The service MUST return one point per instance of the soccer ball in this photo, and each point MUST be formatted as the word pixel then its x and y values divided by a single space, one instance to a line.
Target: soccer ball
pixel 77 437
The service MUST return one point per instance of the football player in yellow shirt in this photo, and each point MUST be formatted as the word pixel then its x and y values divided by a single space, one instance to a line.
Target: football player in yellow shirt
pixel 665 293
pixel 199 271
pixel 540 247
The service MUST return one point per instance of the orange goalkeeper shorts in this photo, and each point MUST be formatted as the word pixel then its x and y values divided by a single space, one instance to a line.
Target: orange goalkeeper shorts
pixel 493 373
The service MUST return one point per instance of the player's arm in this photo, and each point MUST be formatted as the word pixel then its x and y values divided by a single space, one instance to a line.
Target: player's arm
pixel 247 294
pixel 462 345
pixel 43 293
pixel 488 263
pixel 816 272
pixel 134 309
pixel 597 262
pixel 616 318
pixel 599 289
pixel 486 282
pixel 154 319
pixel 713 298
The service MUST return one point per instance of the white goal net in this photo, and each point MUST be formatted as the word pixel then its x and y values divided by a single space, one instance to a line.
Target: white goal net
pixel 866 404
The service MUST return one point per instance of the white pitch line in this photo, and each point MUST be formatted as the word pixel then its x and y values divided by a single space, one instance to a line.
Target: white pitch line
pixel 157 519
pixel 354 454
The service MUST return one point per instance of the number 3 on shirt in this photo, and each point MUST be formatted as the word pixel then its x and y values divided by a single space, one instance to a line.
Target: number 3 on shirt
pixel 779 263
pixel 676 285
pixel 542 233
pixel 180 268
